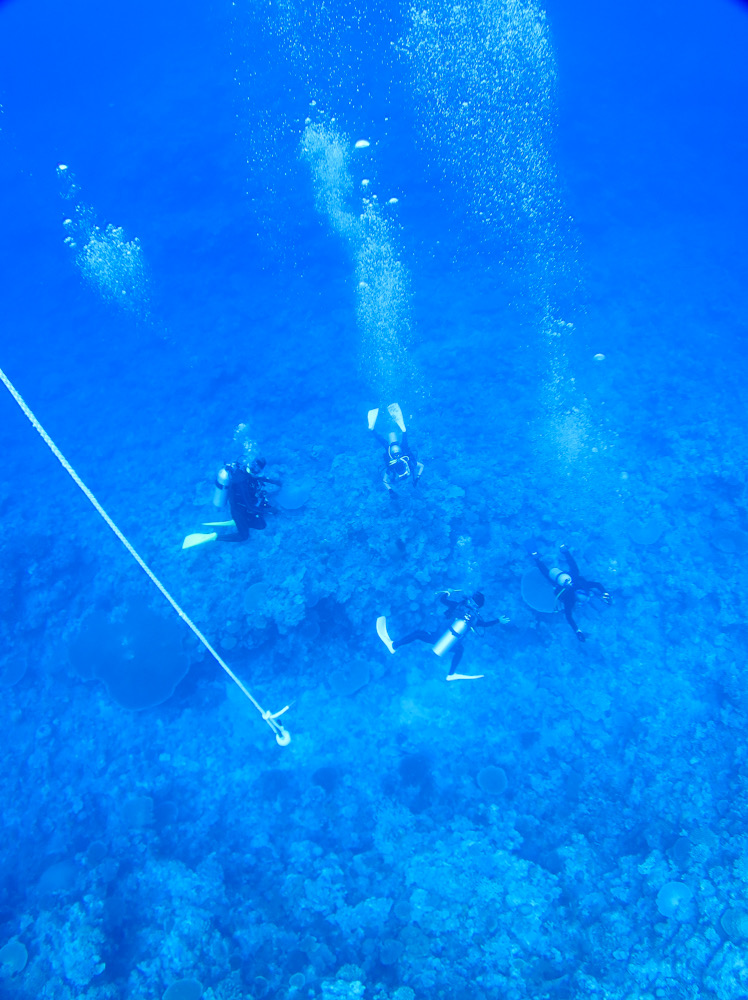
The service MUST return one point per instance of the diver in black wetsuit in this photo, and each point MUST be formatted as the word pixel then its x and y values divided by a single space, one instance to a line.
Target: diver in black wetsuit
pixel 571 587
pixel 244 488
pixel 400 461
pixel 247 498
pixel 466 617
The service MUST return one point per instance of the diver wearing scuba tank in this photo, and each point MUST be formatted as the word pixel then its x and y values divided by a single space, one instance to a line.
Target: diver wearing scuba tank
pixel 466 617
pixel 571 587
pixel 246 497
pixel 243 488
pixel 400 461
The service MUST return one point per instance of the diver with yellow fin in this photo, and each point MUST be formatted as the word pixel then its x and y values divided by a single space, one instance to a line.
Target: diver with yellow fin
pixel 400 460
pixel 466 618
pixel 241 485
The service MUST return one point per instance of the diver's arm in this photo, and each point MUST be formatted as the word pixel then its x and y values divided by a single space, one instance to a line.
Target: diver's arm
pixel 542 567
pixel 501 620
pixel 571 561
pixel 602 592
pixel 451 605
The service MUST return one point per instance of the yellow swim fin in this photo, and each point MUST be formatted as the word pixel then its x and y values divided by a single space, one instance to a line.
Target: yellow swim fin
pixel 373 414
pixel 465 677
pixel 219 524
pixel 397 415
pixel 198 539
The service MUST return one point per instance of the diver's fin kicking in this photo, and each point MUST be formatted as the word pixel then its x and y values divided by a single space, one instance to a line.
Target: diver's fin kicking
pixel 465 677
pixel 219 524
pixel 397 415
pixel 373 414
pixel 382 633
pixel 199 538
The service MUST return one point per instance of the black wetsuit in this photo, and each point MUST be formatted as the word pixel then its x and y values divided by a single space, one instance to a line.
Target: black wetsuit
pixel 247 500
pixel 579 588
pixel 465 609
pixel 406 463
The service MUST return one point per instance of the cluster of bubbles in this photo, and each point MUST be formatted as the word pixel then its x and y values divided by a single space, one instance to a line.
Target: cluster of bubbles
pixel 110 263
pixel 245 447
pixel 334 50
pixel 570 441
pixel 483 74
pixel 328 155
pixel 382 282
pixel 339 53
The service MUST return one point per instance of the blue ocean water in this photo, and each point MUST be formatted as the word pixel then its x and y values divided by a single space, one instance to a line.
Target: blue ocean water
pixel 234 229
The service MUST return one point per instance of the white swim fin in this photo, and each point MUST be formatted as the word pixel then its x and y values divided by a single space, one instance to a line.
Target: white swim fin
pixel 373 414
pixel 397 415
pixel 191 541
pixel 383 635
pixel 465 677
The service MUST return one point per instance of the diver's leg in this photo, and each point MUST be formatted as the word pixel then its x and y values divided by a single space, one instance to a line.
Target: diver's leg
pixel 568 612
pixel 456 657
pixel 419 636
pixel 239 514
pixel 571 561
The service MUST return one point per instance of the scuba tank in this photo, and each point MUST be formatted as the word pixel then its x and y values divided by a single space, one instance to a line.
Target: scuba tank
pixel 458 628
pixel 455 631
pixel 398 463
pixel 559 578
pixel 220 494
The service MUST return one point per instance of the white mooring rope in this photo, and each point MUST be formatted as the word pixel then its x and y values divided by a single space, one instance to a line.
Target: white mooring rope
pixel 281 735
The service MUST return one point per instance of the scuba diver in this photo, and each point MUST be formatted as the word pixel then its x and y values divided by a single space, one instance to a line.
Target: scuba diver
pixel 466 617
pixel 571 586
pixel 243 487
pixel 400 460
